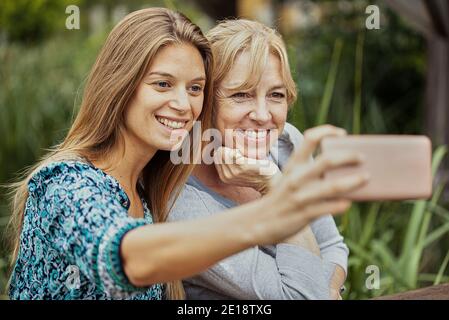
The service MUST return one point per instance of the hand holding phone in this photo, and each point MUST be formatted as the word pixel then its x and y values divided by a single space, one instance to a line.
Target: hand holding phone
pixel 399 166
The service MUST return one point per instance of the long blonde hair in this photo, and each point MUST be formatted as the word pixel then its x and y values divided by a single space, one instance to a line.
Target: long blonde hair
pixel 231 37
pixel 118 70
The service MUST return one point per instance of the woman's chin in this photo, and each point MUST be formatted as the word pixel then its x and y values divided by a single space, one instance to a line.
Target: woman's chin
pixel 174 142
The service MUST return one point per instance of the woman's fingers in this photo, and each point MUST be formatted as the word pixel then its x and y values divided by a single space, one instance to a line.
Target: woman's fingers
pixel 312 139
pixel 324 189
pixel 224 155
pixel 234 168
pixel 301 174
pixel 326 207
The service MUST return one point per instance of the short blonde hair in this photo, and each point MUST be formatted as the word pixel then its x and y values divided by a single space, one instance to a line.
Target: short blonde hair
pixel 231 37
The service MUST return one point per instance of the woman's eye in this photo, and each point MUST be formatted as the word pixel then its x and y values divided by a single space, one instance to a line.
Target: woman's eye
pixel 162 84
pixel 278 95
pixel 240 95
pixel 196 88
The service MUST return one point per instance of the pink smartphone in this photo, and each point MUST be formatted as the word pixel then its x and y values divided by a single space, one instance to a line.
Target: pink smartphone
pixel 399 165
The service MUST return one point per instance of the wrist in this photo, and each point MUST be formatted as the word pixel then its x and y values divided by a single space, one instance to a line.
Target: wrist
pixel 258 228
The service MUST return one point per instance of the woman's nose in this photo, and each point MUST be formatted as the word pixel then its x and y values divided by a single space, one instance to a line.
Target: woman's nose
pixel 181 103
pixel 261 113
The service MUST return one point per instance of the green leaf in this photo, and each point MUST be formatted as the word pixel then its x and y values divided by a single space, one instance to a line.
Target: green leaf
pixel 330 83
pixel 443 266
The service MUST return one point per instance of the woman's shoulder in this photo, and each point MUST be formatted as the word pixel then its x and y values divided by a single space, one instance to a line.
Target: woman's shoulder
pixel 63 173
pixel 195 201
pixel 290 139
pixel 291 134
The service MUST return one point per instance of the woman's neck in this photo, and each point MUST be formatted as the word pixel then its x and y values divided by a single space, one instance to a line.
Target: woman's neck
pixel 208 175
pixel 126 163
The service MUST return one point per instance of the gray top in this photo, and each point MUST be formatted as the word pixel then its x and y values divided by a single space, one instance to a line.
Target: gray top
pixel 282 271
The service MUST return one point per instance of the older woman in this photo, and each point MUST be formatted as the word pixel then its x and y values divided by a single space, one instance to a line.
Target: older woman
pixel 254 88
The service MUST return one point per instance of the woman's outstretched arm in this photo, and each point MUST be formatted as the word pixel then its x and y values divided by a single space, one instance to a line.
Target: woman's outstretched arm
pixel 164 252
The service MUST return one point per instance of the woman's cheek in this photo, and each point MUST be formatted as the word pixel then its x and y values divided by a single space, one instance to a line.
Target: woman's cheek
pixel 280 116
pixel 198 107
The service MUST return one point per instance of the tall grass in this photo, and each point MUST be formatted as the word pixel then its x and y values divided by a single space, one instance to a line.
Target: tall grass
pixel 330 83
pixel 358 70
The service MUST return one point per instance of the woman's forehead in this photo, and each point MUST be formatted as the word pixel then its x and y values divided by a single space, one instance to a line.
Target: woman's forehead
pixel 243 73
pixel 178 59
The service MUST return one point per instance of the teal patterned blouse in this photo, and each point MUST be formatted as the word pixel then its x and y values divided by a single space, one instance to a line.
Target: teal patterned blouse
pixel 75 218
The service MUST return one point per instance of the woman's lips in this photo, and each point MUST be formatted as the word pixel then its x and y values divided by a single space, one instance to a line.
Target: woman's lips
pixel 252 143
pixel 258 136
pixel 171 124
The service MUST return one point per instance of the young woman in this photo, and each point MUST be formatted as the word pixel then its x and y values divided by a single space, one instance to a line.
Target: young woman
pixel 84 214
pixel 254 88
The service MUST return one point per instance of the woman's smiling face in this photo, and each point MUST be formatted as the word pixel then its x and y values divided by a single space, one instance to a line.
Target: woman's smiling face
pixel 251 120
pixel 169 98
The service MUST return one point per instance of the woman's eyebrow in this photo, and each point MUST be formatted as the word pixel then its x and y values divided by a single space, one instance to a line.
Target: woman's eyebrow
pixel 159 73
pixel 168 75
pixel 280 86
pixel 200 78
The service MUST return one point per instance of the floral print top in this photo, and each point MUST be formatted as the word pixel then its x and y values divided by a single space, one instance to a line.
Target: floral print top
pixel 75 218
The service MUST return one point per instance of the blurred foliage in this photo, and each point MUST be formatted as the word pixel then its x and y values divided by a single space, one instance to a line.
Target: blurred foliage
pixel 365 81
pixel 39 87
pixel 372 81
pixel 392 67
pixel 33 20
